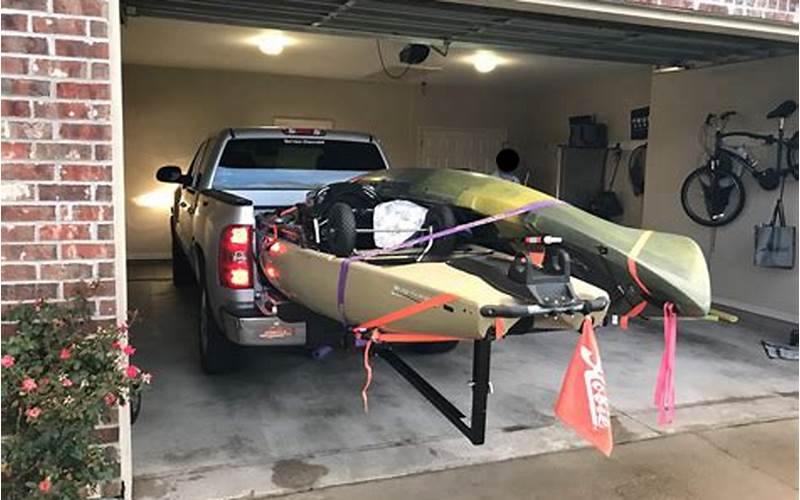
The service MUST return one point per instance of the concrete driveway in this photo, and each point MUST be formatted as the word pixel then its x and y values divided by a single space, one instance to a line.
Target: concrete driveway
pixel 288 423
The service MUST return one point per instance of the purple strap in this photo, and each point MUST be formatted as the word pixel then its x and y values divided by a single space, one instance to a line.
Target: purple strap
pixel 343 269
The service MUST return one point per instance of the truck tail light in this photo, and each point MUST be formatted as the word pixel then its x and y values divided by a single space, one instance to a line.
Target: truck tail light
pixel 235 257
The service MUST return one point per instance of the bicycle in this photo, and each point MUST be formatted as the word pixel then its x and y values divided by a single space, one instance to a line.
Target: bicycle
pixel 714 194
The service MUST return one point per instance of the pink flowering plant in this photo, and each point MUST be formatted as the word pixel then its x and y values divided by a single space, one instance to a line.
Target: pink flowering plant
pixel 62 375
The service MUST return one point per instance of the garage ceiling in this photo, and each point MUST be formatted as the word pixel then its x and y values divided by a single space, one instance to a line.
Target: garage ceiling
pixel 189 44
pixel 430 20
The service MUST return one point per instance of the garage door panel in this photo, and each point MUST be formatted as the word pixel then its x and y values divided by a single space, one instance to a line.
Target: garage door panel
pixel 501 28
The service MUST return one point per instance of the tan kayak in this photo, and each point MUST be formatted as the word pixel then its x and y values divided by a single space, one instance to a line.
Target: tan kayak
pixel 374 289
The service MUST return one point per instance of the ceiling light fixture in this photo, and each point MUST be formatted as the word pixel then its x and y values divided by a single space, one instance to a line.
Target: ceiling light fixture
pixel 272 44
pixel 484 62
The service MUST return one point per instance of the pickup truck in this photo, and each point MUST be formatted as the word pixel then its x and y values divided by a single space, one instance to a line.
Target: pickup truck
pixel 236 176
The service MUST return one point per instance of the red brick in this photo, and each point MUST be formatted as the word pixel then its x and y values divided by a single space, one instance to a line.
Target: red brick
pixel 14 65
pixel 87 251
pixel 105 269
pixel 26 87
pixel 71 109
pixel 92 173
pixel 102 193
pixel 12 44
pixel 100 71
pixel 29 291
pixel 85 132
pixel 50 232
pixel 93 8
pixel 18 191
pixel 89 91
pixel 102 152
pixel 99 29
pixel 17 233
pixel 25 4
pixel 78 48
pixel 66 271
pixel 104 288
pixel 28 253
pixel 14 150
pixel 63 25
pixel 59 68
pixel 19 109
pixel 14 22
pixel 17 272
pixel 65 192
pixel 105 231
pixel 106 307
pixel 27 172
pixel 92 212
pixel 28 131
pixel 8 330
pixel 14 213
pixel 62 151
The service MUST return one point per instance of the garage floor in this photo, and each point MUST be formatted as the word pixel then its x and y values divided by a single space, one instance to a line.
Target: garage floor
pixel 286 422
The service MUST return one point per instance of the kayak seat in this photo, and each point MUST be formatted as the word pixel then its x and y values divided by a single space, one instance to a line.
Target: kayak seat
pixel 493 271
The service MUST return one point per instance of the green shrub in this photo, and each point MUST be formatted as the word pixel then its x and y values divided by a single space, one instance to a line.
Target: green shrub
pixel 62 374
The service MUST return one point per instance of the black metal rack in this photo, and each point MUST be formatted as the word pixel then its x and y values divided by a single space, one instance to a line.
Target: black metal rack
pixel 475 430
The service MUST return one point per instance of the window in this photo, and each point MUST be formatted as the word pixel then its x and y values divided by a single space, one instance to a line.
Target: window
pixel 292 162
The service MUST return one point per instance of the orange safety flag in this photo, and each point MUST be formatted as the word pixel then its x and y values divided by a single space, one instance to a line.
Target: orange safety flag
pixel 583 401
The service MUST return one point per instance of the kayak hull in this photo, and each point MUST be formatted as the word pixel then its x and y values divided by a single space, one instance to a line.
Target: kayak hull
pixel 311 278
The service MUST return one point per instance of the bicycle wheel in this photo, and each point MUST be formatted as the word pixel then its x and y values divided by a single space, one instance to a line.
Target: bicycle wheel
pixel 712 197
pixel 791 156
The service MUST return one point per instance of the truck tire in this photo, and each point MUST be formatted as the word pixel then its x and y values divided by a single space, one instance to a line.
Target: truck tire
pixel 341 237
pixel 182 274
pixel 217 354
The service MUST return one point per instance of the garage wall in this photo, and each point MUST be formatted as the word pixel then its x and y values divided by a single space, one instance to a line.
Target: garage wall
pixel 611 100
pixel 168 111
pixel 680 102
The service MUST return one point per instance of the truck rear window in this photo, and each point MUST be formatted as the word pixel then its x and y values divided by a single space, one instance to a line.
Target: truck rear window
pixel 301 153
pixel 292 163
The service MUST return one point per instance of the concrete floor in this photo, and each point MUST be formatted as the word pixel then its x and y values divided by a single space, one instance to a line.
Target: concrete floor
pixel 287 423
pixel 757 461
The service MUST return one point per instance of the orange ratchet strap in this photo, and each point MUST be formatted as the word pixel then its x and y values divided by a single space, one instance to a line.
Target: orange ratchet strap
pixel 634 253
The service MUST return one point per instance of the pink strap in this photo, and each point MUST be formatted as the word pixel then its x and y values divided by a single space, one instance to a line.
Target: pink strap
pixel 665 383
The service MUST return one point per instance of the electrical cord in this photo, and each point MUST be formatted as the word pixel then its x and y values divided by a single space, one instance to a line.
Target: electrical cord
pixel 388 73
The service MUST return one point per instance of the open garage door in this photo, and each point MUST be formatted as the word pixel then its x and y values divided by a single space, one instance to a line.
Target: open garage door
pixel 291 418
pixel 482 26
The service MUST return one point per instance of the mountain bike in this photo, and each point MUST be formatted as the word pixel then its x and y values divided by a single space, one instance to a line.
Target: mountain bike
pixel 714 194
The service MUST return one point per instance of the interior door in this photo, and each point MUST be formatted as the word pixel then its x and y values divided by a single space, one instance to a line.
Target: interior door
pixel 460 148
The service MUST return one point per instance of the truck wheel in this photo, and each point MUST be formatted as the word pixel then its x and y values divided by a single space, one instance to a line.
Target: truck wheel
pixel 217 353
pixel 341 230
pixel 182 274
pixel 439 218
pixel 434 347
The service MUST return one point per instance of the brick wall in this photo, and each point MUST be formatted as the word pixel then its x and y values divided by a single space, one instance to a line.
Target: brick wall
pixel 780 11
pixel 57 211
pixel 57 215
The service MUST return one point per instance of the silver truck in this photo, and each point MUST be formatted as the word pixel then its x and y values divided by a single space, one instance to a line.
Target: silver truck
pixel 235 176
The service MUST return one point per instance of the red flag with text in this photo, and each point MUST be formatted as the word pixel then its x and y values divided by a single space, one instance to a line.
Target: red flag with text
pixel 583 401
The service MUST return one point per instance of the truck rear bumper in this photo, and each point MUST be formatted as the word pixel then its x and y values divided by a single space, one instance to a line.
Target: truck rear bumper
pixel 251 328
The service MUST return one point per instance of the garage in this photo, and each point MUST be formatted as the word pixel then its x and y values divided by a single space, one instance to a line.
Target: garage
pixel 610 107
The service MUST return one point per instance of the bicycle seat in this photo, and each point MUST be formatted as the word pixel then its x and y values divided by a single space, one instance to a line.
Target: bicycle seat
pixel 784 109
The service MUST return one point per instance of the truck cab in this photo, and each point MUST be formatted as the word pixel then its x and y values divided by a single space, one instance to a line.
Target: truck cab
pixel 236 175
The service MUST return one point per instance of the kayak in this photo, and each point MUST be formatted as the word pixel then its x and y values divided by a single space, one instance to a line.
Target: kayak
pixel 380 286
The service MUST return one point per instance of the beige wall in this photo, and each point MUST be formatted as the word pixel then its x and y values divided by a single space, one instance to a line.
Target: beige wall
pixel 168 111
pixel 679 105
pixel 611 99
